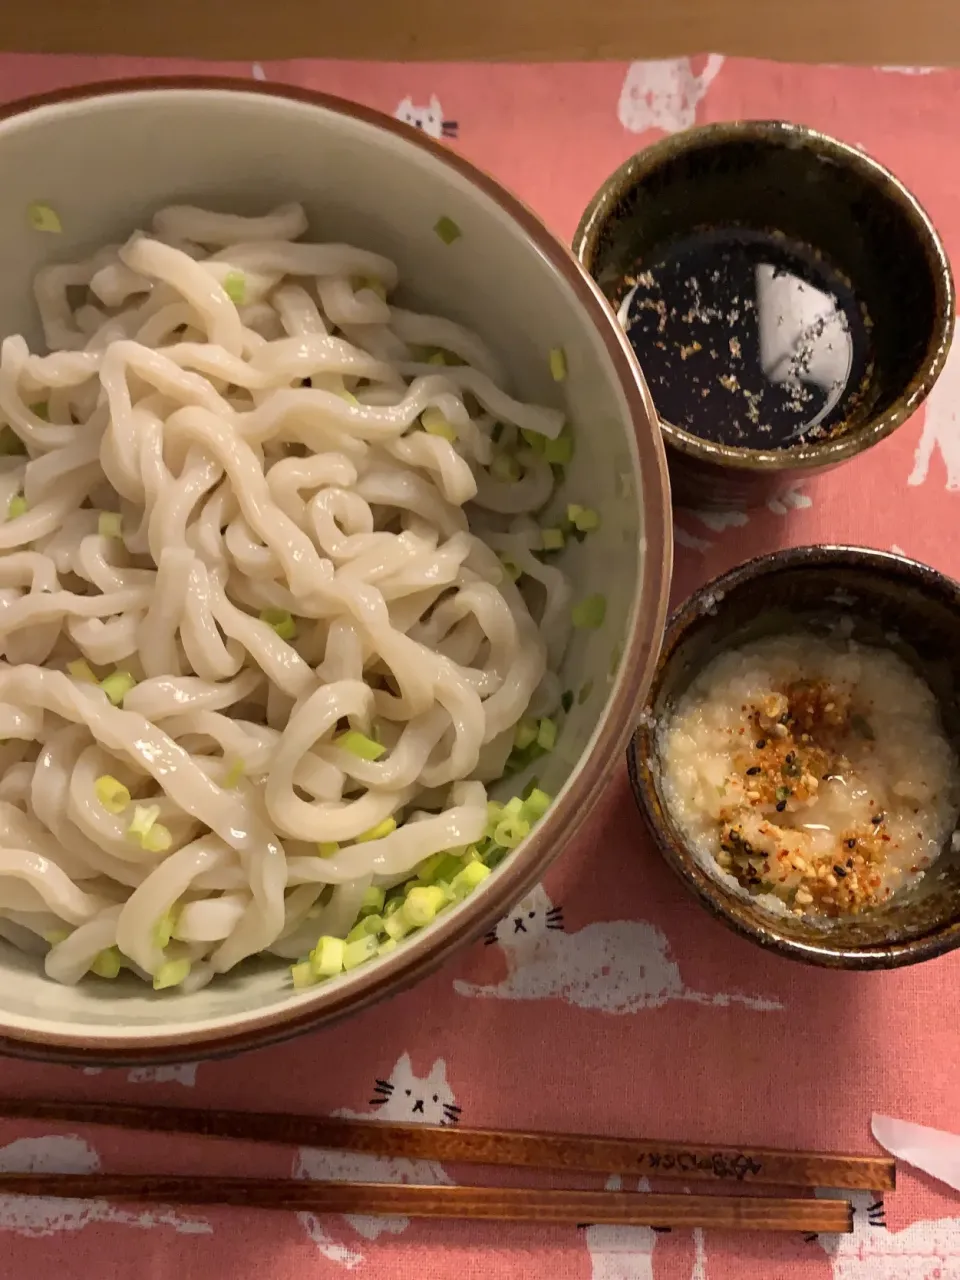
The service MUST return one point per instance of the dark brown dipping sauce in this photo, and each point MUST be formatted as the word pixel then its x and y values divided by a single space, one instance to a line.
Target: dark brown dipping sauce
pixel 748 338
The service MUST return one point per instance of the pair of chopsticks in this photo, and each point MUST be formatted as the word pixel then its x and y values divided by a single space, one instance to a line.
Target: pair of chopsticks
pixel 573 1153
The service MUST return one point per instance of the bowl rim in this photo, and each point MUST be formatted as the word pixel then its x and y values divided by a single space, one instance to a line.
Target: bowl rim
pixel 788 135
pixel 420 956
pixel 640 752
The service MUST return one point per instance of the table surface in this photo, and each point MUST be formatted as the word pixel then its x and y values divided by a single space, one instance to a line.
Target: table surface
pixel 863 31
pixel 628 1011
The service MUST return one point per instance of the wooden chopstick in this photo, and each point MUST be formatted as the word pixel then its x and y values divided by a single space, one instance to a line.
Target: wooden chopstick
pixel 451 1144
pixel 506 1204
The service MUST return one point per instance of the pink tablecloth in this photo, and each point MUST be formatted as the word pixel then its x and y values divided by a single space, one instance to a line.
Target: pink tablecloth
pixel 630 1012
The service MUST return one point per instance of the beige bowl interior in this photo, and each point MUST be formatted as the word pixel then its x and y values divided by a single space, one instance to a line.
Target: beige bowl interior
pixel 105 163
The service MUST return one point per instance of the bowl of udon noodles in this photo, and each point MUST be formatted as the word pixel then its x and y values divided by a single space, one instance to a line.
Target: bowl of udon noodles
pixel 334 556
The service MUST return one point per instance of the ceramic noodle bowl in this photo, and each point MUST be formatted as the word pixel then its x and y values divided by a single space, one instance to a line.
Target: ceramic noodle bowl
pixel 104 159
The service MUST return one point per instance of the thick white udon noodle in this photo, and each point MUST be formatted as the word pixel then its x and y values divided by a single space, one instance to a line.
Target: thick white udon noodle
pixel 241 489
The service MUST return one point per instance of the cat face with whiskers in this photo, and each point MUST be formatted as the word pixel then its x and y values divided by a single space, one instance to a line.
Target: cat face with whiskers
pixel 530 919
pixel 405 1097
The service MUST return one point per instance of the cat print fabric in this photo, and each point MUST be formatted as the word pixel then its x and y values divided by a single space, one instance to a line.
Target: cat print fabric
pixel 617 966
pixel 399 1098
pixel 429 118
pixel 43 1216
pixel 608 1001
pixel 924 1250
pixel 665 95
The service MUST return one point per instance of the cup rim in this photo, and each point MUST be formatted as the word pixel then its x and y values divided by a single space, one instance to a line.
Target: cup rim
pixel 786 134
pixel 421 955
pixel 642 748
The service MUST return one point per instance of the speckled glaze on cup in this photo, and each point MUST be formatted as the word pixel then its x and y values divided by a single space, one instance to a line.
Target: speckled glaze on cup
pixel 890 601
pixel 105 157
pixel 770 175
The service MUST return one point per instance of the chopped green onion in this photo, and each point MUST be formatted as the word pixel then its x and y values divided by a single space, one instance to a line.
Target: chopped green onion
pixel 356 953
pixel 536 804
pixel 372 924
pixel 163 929
pixel 359 745
pixel 583 518
pixel 427 869
pixel 559 451
pixel 327 848
pixel 41 411
pixel 590 613
pixel 510 831
pixel 524 734
pixel 552 539
pixel 506 468
pixel 117 686
pixel 144 816
pixel 387 945
pixel 585 692
pixel 111 793
pixel 326 959
pixel 10 443
pixel 447 869
pixel 558 364
pixel 170 974
pixel 43 218
pixel 158 839
pixel 566 700
pixel 17 507
pixel 302 975
pixel 447 230
pixel 379 831
pixel 422 904
pixel 281 620
pixel 465 881
pixel 435 424
pixel 372 283
pixel 81 670
pixel 348 396
pixel 56 936
pixel 373 899
pixel 510 567
pixel 535 439
pixel 438 357
pixel 107 963
pixel 108 524
pixel 235 287
pixel 547 734
pixel 233 775
pixel 396 925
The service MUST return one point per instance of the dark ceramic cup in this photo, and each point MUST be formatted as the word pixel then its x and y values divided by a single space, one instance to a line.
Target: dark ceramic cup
pixel 772 178
pixel 890 601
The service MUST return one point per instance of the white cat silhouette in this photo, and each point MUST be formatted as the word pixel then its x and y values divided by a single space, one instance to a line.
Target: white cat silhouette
pixel 619 966
pixel 690 541
pixel 45 1216
pixel 626 1253
pixel 184 1073
pixel 403 1097
pixel 717 521
pixel 664 94
pixel 429 119
pixel 789 500
pixel 618 1252
pixel 941 425
pixel 926 1250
